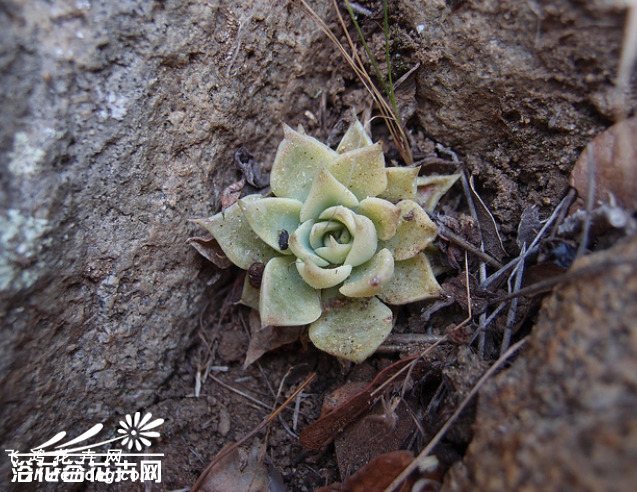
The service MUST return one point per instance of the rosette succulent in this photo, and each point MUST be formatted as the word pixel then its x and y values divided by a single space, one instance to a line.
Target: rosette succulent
pixel 339 238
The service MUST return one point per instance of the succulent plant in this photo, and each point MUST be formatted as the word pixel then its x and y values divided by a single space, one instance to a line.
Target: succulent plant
pixel 339 238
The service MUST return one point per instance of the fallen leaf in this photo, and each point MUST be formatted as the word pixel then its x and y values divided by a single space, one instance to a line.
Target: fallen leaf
pixel 323 431
pixel 238 471
pixel 490 235
pixel 268 338
pixel 209 248
pixel 456 288
pixel 383 430
pixel 529 226
pixel 231 194
pixel 614 153
pixel 250 168
pixel 377 475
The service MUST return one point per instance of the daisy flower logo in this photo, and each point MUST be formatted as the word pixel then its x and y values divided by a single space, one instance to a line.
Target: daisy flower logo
pixel 136 430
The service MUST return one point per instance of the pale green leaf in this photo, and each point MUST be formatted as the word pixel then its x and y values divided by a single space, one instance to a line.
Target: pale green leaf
pixel 413 280
pixel 364 243
pixel 432 188
pixel 415 231
pixel 351 328
pixel 334 252
pixel 249 295
pixel 369 278
pixel 285 299
pixel 237 239
pixel 297 161
pixel 401 184
pixel 273 219
pixel 355 138
pixel 326 192
pixel 385 216
pixel 299 243
pixel 340 214
pixel 322 278
pixel 362 171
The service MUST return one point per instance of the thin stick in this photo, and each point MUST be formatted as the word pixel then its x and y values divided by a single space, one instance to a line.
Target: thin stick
pixel 440 434
pixel 250 434
pixel 443 230
pixel 240 393
pixel 517 273
pixel 474 213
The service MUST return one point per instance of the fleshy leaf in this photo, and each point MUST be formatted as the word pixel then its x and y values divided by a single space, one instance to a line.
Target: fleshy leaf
pixel 335 252
pixel 362 171
pixel 369 279
pixel 238 241
pixel 362 229
pixel 413 280
pixel 341 214
pixel 401 183
pixel 415 231
pixel 351 328
pixel 297 161
pixel 385 216
pixel 286 300
pixel 299 243
pixel 273 219
pixel 322 230
pixel 322 278
pixel 355 138
pixel 326 192
pixel 432 188
pixel 365 242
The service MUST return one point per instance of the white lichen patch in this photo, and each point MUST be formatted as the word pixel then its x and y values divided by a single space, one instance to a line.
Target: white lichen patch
pixel 25 158
pixel 20 241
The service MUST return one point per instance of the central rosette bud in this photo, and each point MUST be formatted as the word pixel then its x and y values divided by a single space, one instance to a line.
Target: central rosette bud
pixel 329 247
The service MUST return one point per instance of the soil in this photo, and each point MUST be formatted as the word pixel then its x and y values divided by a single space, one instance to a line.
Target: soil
pixel 513 90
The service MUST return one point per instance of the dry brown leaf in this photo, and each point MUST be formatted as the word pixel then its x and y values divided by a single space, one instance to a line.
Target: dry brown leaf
pixel 377 475
pixel 322 432
pixel 529 226
pixel 614 166
pixel 239 471
pixel 268 338
pixel 244 161
pixel 231 194
pixel 383 430
pixel 490 235
pixel 209 248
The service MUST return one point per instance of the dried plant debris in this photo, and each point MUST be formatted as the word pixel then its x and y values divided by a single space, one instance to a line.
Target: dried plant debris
pixel 266 338
pixel 488 227
pixel 239 470
pixel 251 170
pixel 209 248
pixel 322 432
pixel 612 158
pixel 377 475
pixel 530 225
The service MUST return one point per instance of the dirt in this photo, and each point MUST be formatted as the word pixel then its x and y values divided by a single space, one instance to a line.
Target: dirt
pixel 131 319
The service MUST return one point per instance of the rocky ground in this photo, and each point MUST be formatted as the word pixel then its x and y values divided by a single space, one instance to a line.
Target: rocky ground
pixel 119 123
